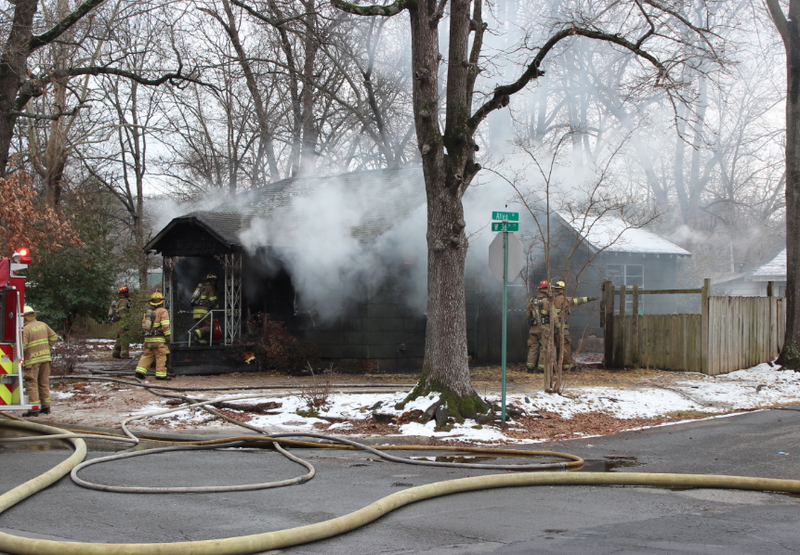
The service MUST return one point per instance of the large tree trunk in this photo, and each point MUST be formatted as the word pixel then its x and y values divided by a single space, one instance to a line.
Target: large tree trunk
pixel 13 72
pixel 790 355
pixel 790 33
pixel 447 176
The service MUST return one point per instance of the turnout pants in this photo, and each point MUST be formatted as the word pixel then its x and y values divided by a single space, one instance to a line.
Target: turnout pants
pixel 37 383
pixel 154 352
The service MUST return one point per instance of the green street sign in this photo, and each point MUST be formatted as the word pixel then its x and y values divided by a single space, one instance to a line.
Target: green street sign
pixel 510 216
pixel 503 226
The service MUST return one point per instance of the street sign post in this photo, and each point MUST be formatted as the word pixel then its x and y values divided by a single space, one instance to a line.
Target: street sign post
pixel 504 227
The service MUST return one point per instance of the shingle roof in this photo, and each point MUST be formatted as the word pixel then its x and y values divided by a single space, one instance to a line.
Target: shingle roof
pixel 773 269
pixel 379 197
pixel 615 235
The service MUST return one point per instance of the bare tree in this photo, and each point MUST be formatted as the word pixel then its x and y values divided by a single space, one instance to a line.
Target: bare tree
pixel 19 83
pixel 448 155
pixel 129 115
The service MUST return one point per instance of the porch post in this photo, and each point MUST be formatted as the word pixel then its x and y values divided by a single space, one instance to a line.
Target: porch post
pixel 233 297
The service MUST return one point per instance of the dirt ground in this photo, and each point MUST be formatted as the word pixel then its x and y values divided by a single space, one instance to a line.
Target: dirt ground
pixel 92 403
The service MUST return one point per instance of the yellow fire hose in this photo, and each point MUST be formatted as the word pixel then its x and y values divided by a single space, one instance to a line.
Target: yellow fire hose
pixel 340 525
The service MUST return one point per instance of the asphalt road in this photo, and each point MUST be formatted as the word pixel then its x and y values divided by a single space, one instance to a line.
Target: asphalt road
pixel 542 520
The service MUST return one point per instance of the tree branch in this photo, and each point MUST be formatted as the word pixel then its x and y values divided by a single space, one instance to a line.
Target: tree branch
pixel 59 28
pixel 53 117
pixel 780 21
pixel 503 93
pixel 385 11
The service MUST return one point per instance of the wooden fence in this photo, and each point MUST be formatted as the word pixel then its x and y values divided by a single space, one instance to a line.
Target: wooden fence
pixel 730 333
pixel 93 329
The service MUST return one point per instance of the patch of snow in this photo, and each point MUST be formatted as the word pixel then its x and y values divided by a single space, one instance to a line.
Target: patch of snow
pixel 759 387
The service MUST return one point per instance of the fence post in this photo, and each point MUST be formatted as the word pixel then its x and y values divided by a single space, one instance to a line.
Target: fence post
pixel 635 326
pixel 608 327
pixel 705 362
pixel 619 352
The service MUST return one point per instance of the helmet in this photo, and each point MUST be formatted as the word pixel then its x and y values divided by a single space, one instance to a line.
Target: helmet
pixel 123 290
pixel 211 276
pixel 28 310
pixel 559 285
pixel 544 284
pixel 156 298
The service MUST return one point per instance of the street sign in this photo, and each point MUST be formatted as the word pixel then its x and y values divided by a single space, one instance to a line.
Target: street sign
pixel 510 216
pixel 516 257
pixel 505 226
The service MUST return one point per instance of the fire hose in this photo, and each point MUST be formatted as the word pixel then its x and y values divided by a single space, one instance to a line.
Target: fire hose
pixel 305 534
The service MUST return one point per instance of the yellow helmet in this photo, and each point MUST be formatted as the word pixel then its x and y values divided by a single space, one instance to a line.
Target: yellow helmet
pixel 156 298
pixel 559 285
pixel 28 310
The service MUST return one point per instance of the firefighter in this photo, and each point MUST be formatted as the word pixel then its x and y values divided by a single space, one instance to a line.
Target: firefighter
pixel 562 305
pixel 116 313
pixel 535 320
pixel 203 300
pixel 37 337
pixel 155 326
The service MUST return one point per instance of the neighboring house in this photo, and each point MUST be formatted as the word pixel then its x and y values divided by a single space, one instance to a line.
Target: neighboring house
pixel 754 282
pixel 608 248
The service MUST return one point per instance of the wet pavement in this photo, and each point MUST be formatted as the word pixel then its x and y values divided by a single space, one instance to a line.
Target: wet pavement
pixel 542 520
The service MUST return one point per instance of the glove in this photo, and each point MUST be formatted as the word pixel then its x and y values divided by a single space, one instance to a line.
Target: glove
pixel 594 298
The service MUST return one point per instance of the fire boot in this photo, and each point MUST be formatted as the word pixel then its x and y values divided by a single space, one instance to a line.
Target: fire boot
pixel 44 410
pixel 32 412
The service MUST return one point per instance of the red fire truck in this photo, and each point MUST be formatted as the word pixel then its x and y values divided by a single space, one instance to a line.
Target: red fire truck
pixel 12 301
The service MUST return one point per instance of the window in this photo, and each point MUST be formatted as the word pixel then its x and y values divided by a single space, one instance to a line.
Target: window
pixel 627 275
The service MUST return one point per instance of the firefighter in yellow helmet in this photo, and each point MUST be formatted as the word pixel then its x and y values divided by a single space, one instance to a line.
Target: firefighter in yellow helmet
pixel 37 337
pixel 116 313
pixel 537 321
pixel 562 305
pixel 204 299
pixel 157 336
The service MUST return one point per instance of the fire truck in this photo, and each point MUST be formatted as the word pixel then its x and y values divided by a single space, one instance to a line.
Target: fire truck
pixel 12 301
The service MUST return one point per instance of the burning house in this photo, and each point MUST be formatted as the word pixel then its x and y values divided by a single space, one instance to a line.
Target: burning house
pixel 338 261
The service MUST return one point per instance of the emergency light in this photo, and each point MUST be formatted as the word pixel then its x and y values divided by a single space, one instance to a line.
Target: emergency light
pixel 22 256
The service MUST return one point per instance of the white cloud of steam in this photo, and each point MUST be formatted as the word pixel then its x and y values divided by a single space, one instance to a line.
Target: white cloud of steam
pixel 319 238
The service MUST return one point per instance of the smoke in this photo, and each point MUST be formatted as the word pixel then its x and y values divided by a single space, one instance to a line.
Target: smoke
pixel 342 238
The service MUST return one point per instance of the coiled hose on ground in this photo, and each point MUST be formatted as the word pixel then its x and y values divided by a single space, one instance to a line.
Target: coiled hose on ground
pixel 304 534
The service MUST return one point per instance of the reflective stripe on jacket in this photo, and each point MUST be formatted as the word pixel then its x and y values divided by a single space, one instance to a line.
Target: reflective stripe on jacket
pixel 206 302
pixel 36 340
pixel 160 328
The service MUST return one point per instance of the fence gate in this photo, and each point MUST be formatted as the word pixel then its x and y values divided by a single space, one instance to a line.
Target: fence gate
pixel 730 333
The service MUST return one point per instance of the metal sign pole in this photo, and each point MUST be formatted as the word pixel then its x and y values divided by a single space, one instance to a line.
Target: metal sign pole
pixel 505 321
pixel 511 265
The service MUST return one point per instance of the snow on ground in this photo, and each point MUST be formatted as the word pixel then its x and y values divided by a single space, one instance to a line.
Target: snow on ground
pixel 755 388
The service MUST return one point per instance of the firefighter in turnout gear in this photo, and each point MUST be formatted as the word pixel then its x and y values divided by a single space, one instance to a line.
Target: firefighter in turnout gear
pixel 562 305
pixel 536 346
pixel 204 299
pixel 116 313
pixel 155 326
pixel 37 337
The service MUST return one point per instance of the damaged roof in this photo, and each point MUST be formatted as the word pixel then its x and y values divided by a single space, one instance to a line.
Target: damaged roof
pixel 379 198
